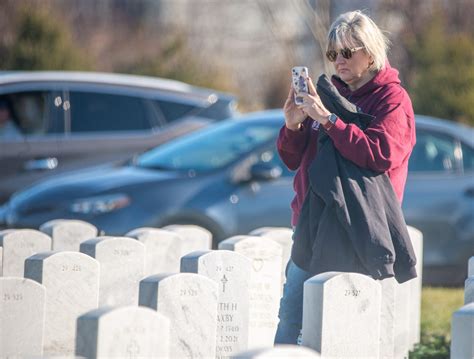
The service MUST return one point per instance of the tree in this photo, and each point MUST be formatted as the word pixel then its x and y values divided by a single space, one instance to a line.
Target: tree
pixel 42 43
pixel 442 82
pixel 434 49
pixel 173 60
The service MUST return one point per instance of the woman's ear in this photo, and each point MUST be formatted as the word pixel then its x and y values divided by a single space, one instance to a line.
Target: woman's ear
pixel 371 62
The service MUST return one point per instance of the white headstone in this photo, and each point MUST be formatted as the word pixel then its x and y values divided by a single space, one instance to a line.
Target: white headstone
pixel 22 305
pixel 18 245
pixel 279 351
pixel 231 271
pixel 3 232
pixel 470 267
pixel 415 292
pixel 196 238
pixel 72 288
pixel 341 315
pixel 402 319
pixel 162 249
pixel 67 234
pixel 122 266
pixel 394 319
pixel 189 300
pixel 462 333
pixel 125 332
pixel 264 288
pixel 469 290
pixel 284 237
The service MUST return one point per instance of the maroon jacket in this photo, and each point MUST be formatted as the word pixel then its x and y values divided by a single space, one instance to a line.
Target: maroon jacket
pixel 385 146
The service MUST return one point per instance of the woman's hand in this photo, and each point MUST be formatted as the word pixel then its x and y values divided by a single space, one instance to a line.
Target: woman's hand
pixel 312 105
pixel 294 116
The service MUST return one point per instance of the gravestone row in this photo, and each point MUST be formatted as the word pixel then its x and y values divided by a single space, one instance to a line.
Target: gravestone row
pixel 246 285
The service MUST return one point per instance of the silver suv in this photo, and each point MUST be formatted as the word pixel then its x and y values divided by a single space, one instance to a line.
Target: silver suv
pixel 58 121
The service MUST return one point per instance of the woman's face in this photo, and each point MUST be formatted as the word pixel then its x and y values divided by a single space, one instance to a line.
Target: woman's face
pixel 354 71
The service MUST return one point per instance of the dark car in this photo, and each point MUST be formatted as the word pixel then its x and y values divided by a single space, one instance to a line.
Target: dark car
pixel 229 179
pixel 60 121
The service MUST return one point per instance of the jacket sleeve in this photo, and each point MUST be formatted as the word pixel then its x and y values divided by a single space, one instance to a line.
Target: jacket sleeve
pixel 381 146
pixel 292 144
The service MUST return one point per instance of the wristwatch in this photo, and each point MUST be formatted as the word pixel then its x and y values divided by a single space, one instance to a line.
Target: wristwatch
pixel 332 118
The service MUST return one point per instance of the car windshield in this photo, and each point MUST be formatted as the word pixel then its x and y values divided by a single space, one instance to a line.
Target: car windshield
pixel 210 149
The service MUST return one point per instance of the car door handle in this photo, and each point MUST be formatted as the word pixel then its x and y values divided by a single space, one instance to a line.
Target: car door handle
pixel 469 192
pixel 41 164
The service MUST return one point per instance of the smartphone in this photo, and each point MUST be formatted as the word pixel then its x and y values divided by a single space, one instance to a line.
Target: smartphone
pixel 299 75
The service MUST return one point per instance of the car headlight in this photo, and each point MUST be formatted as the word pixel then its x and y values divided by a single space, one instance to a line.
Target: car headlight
pixel 100 204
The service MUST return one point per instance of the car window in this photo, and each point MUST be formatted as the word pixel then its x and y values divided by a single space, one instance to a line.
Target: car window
pixel 467 157
pixel 219 110
pixel 98 112
pixel 28 112
pixel 211 148
pixel 433 153
pixel 173 111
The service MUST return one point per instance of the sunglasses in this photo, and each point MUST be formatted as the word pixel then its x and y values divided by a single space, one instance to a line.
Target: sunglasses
pixel 345 52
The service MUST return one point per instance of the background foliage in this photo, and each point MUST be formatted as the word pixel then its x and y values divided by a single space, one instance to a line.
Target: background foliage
pixel 443 78
pixel 433 47
pixel 41 43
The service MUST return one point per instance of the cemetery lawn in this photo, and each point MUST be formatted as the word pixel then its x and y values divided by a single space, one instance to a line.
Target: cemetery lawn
pixel 437 307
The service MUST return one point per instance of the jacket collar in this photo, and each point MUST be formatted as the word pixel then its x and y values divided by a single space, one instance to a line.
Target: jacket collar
pixel 385 76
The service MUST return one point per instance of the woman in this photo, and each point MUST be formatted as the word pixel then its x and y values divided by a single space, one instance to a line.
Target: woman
pixel 358 50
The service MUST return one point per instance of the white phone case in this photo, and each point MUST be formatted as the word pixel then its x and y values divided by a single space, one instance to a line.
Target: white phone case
pixel 299 75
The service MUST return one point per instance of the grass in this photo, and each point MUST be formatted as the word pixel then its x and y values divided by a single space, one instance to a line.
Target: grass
pixel 437 307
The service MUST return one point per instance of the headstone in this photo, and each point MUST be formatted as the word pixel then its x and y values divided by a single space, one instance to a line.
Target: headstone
pixel 387 318
pixel 122 266
pixel 264 288
pixel 402 319
pixel 3 232
pixel 470 267
pixel 415 291
pixel 284 237
pixel 196 238
pixel 67 234
pixel 162 249
pixel 462 333
pixel 231 271
pixel 469 290
pixel 125 332
pixel 72 288
pixel 394 319
pixel 22 305
pixel 341 315
pixel 279 351
pixel 189 300
pixel 17 245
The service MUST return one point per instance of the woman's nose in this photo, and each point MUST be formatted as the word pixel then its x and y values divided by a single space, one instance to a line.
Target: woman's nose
pixel 339 58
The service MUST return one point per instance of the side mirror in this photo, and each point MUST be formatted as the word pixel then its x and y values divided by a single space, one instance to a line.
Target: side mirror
pixel 265 171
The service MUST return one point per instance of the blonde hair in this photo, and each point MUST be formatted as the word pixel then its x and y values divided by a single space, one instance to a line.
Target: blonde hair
pixel 355 29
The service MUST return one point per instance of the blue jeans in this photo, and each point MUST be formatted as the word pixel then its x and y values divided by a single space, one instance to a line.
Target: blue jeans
pixel 291 305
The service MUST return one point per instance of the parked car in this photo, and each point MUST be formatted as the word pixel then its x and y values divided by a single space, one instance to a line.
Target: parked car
pixel 229 179
pixel 68 120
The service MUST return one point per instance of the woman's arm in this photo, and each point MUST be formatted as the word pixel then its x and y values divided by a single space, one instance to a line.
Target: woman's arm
pixel 292 144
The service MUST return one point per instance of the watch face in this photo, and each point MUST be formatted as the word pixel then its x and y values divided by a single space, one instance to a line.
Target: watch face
pixel 332 118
